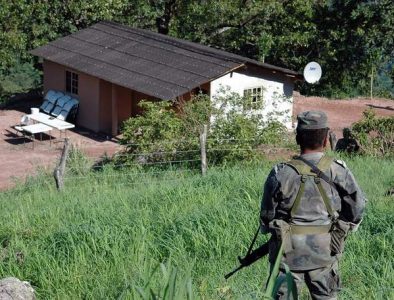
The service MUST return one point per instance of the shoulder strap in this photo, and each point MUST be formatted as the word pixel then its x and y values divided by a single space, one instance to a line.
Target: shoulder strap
pixel 305 168
pixel 324 164
pixel 300 167
pixel 297 200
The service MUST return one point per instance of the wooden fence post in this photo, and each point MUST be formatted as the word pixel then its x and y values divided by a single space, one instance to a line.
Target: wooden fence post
pixel 60 168
pixel 203 148
pixel 333 140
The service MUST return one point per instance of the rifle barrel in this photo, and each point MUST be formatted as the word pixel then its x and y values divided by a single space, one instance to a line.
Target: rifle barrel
pixel 250 258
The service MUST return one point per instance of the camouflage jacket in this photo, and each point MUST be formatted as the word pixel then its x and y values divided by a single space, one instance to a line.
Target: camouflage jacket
pixel 309 251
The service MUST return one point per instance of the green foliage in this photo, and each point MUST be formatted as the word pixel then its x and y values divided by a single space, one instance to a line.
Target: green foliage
pixel 107 233
pixel 20 78
pixel 159 134
pixel 77 162
pixel 26 24
pixel 283 33
pixel 376 135
pixel 167 132
pixel 292 33
pixel 170 288
pixel 237 130
pixel 158 122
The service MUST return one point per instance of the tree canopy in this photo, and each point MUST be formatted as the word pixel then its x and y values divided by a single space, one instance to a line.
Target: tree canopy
pixel 352 40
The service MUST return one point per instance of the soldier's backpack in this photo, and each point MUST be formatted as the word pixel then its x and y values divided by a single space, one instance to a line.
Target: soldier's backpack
pixel 307 170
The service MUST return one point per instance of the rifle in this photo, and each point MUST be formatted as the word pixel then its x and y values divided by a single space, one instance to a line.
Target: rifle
pixel 251 256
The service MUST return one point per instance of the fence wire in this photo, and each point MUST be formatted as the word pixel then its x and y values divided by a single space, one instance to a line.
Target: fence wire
pixel 125 175
pixel 141 164
pixel 156 153
pixel 151 163
pixel 150 182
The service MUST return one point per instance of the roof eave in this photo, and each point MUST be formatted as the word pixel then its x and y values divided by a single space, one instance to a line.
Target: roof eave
pixel 94 75
pixel 287 72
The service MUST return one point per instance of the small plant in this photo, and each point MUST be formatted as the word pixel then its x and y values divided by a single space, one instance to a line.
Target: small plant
pixel 159 134
pixel 236 132
pixel 376 135
pixel 171 285
pixel 77 162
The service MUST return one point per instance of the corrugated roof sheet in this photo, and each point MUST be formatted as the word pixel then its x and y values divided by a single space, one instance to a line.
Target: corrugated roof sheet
pixel 145 61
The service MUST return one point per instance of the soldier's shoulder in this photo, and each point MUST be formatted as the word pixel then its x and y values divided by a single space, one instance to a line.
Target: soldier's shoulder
pixel 283 169
pixel 339 162
pixel 276 169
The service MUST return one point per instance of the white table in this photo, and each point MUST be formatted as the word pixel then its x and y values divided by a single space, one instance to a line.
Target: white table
pixel 51 121
pixel 35 128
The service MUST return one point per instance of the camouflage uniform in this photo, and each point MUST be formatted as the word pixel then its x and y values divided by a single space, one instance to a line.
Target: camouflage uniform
pixel 309 256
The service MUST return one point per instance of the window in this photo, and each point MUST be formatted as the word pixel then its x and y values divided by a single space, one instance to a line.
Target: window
pixel 253 98
pixel 72 82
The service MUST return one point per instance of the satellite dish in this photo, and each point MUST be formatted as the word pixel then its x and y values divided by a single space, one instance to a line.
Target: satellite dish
pixel 312 72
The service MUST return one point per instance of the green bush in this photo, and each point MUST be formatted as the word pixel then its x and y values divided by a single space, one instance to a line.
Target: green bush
pixel 376 135
pixel 161 134
pixel 169 131
pixel 237 130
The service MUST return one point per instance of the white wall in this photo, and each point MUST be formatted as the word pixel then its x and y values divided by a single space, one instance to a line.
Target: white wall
pixel 277 93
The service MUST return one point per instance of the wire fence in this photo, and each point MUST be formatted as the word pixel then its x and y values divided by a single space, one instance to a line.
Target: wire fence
pixel 130 175
pixel 151 158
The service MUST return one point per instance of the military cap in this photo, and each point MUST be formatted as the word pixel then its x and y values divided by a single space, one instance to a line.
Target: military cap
pixel 311 120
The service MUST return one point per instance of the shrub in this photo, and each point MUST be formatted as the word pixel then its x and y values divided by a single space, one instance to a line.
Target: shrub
pixel 77 162
pixel 159 134
pixel 237 130
pixel 376 135
pixel 170 131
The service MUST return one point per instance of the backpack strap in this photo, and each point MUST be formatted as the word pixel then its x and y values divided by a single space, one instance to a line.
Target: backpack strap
pixel 300 193
pixel 325 163
pixel 300 167
pixel 305 171
pixel 331 213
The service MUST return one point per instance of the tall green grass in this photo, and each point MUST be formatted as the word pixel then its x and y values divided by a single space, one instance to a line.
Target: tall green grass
pixel 125 235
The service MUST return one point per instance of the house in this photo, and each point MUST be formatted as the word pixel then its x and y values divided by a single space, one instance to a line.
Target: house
pixel 111 67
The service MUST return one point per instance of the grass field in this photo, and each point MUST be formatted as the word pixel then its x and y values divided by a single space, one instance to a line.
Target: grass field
pixel 104 237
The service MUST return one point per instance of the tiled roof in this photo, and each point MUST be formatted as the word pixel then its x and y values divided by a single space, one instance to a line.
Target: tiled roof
pixel 145 61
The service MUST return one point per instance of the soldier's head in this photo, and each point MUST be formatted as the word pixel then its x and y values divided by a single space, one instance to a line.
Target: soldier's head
pixel 312 130
pixel 347 134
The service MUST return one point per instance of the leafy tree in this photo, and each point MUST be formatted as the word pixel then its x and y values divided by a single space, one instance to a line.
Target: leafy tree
pixel 352 40
pixel 19 79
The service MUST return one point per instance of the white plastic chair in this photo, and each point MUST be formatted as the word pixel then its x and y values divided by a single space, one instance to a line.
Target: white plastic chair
pixel 24 122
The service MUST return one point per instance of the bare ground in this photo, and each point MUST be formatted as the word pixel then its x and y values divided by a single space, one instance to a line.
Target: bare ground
pixel 343 113
pixel 18 160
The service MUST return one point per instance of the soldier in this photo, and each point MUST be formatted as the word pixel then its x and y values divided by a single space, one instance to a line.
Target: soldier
pixel 347 143
pixel 311 212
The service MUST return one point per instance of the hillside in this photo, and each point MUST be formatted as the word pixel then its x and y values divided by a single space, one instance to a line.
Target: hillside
pixel 106 233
